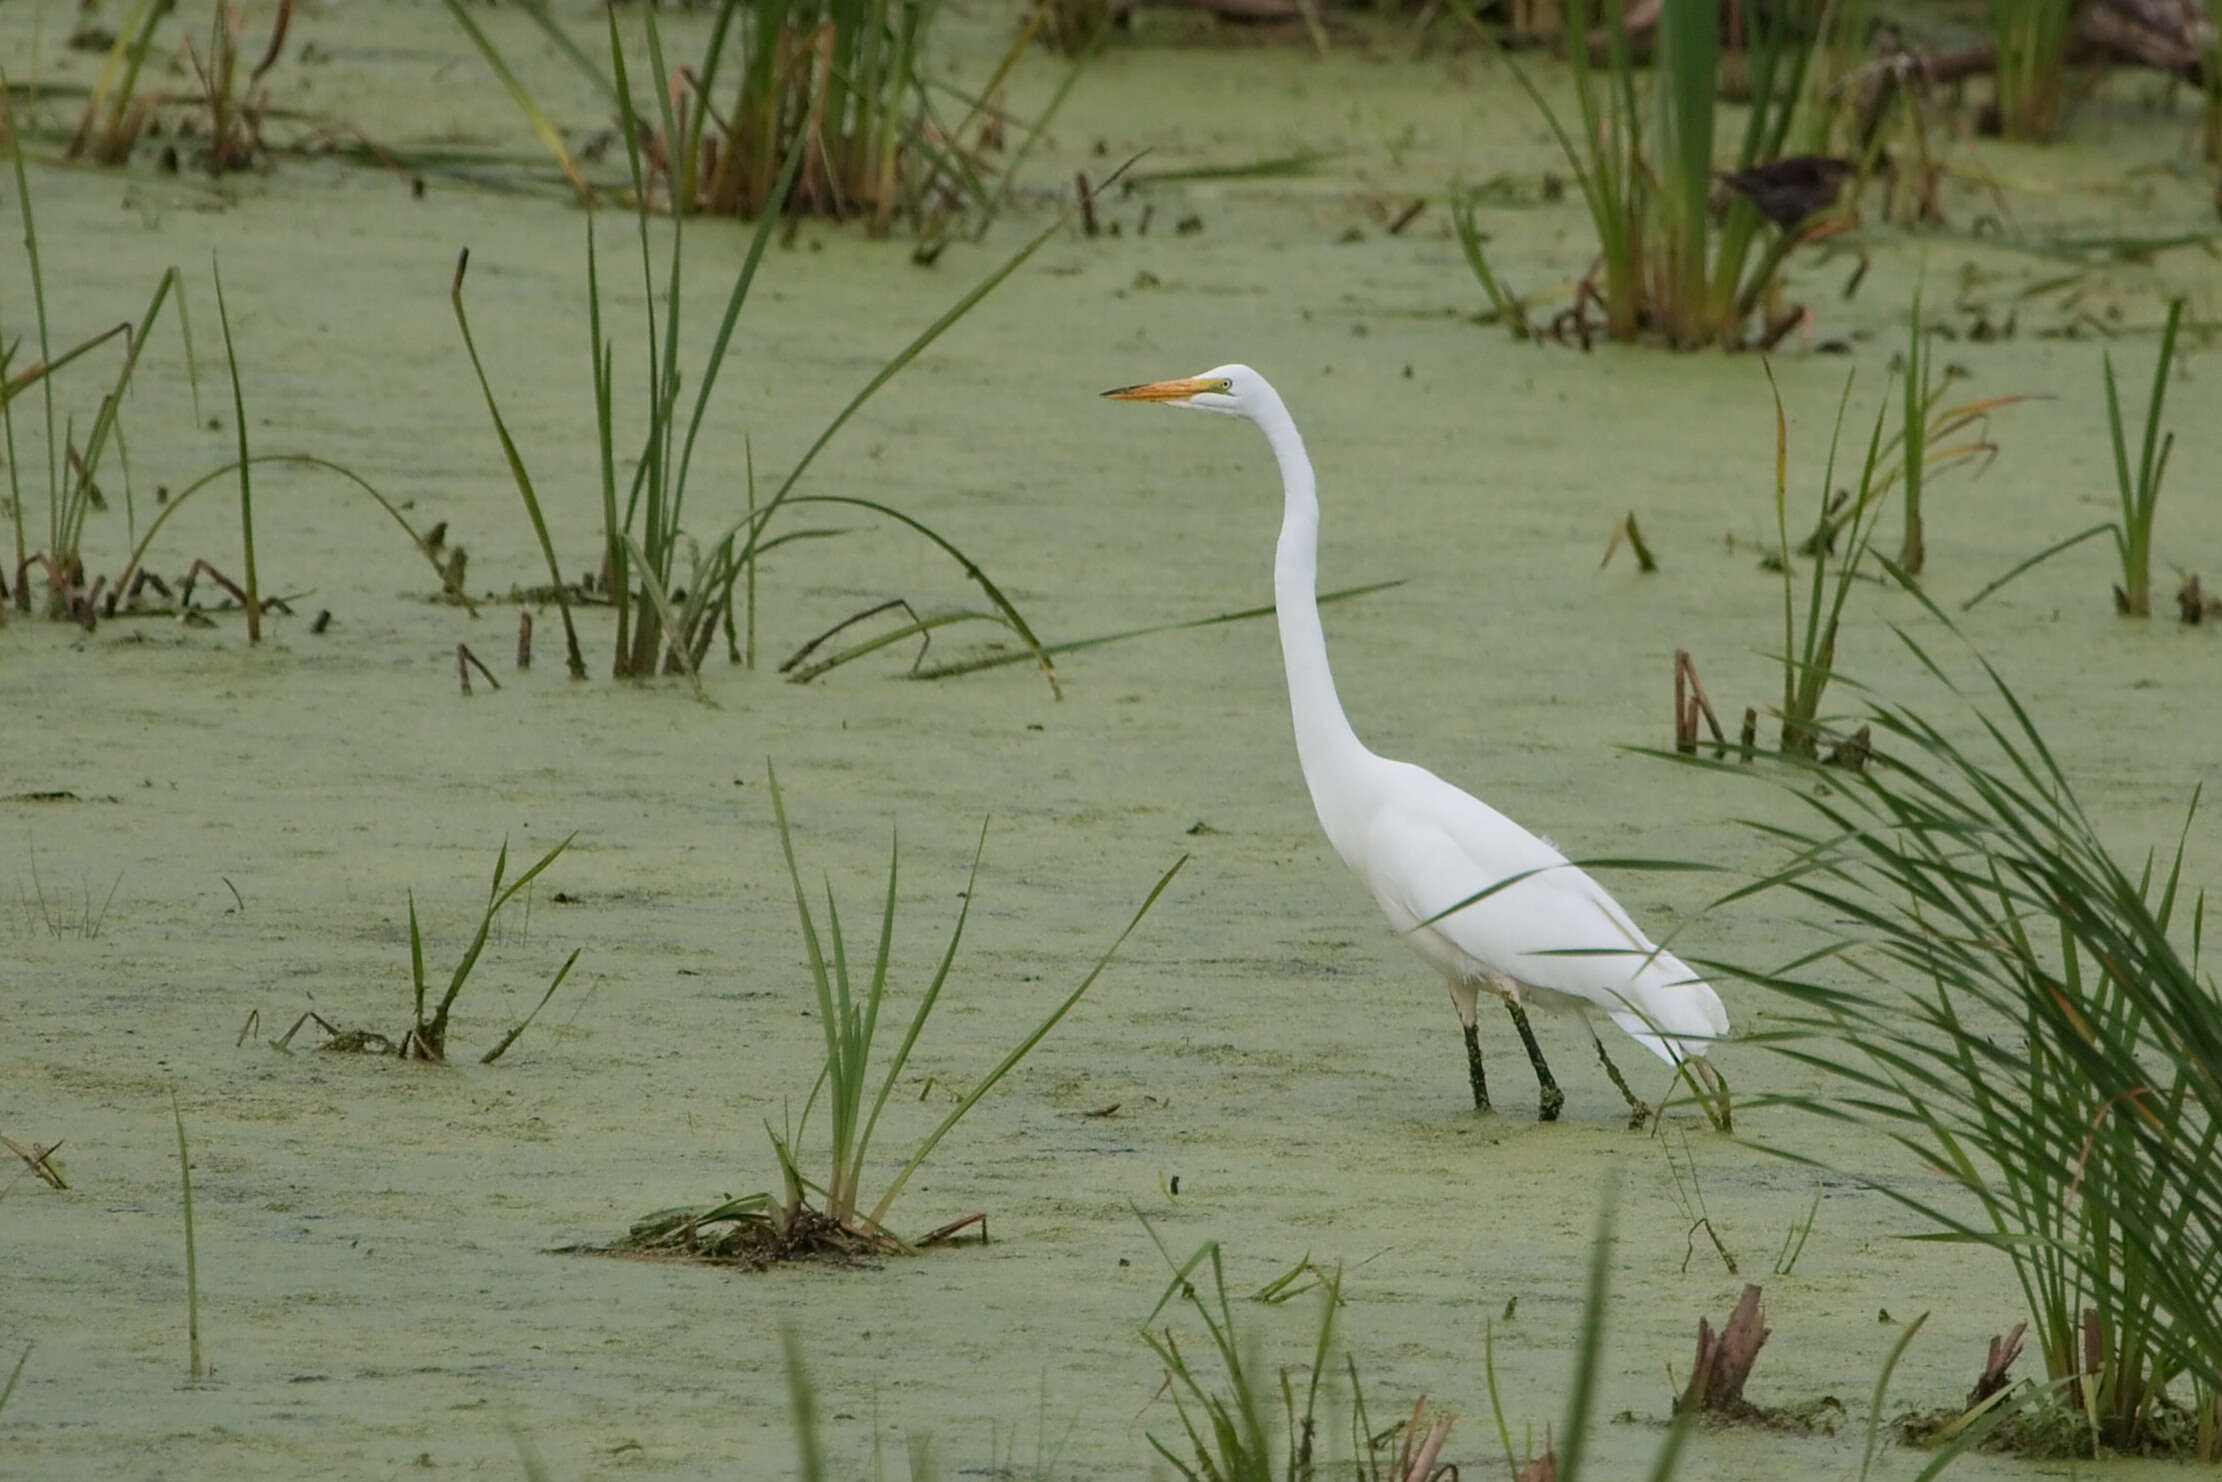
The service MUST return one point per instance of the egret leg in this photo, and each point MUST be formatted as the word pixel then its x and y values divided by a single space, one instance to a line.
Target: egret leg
pixel 1473 1069
pixel 1549 1097
pixel 1639 1112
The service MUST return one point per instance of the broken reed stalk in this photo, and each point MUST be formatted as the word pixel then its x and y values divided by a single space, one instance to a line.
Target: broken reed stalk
pixel 465 662
pixel 524 639
pixel 2004 1349
pixel 1724 1359
pixel 199 1368
pixel 246 482
pixel 1689 704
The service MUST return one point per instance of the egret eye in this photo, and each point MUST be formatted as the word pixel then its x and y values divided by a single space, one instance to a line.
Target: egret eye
pixel 1223 386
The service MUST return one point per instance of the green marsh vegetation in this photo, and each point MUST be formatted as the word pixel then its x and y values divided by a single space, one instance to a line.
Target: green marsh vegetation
pixel 673 593
pixel 2031 80
pixel 426 1036
pixel 1242 1422
pixel 1246 1424
pixel 225 115
pixel 2136 485
pixel 840 86
pixel 1930 437
pixel 1668 271
pixel 2027 1017
pixel 77 454
pixel 759 1228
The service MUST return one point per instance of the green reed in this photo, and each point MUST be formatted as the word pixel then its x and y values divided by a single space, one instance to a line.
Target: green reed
pixel 1809 648
pixel 72 472
pixel 115 111
pixel 849 1015
pixel 2136 487
pixel 245 466
pixel 197 1367
pixel 2025 1022
pixel 840 83
pixel 674 594
pixel 1229 1432
pixel 75 469
pixel 1645 167
pixel 426 1038
pixel 2032 40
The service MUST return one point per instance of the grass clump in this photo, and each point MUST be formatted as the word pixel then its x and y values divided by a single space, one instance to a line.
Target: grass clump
pixel 759 1229
pixel 2136 487
pixel 1930 436
pixel 839 85
pixel 1229 1432
pixel 2029 1020
pixel 230 106
pixel 426 1036
pixel 426 1039
pixel 86 459
pixel 1668 271
pixel 672 593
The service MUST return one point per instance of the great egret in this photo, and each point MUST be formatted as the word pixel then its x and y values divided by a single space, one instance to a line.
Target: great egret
pixel 1551 936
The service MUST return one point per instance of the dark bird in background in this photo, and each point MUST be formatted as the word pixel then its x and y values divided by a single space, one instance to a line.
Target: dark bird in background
pixel 1788 190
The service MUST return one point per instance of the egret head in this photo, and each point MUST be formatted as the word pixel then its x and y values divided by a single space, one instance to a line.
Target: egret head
pixel 1234 389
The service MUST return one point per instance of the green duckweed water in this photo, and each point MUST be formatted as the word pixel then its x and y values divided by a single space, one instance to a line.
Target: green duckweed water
pixel 376 1297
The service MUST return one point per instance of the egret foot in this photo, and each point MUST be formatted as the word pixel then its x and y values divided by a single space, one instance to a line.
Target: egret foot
pixel 1639 1111
pixel 1473 1069
pixel 1549 1097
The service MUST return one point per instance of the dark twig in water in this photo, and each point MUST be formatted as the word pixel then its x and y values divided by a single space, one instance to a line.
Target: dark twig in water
pixel 465 662
pixel 36 1158
pixel 925 638
pixel 951 1230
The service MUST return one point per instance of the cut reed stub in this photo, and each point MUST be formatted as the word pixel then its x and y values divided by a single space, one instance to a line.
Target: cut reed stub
pixel 1088 224
pixel 524 639
pixel 2005 1348
pixel 1724 1360
pixel 2194 603
pixel 1852 752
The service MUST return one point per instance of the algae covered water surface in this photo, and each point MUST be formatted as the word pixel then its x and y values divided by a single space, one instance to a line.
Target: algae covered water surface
pixel 196 830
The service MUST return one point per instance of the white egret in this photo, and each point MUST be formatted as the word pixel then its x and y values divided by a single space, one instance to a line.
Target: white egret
pixel 1551 936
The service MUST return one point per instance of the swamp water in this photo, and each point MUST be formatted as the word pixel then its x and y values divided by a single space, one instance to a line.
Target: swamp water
pixel 377 1299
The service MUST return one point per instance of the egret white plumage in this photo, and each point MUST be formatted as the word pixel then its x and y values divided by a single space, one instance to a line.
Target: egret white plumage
pixel 1484 902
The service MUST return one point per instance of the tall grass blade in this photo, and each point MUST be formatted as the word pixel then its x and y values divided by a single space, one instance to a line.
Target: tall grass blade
pixel 572 657
pixel 198 1369
pixel 7 1391
pixel 802 1404
pixel 522 97
pixel 988 1082
pixel 246 464
pixel 526 1023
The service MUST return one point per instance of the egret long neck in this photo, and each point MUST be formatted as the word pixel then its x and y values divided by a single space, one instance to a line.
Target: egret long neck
pixel 1325 744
